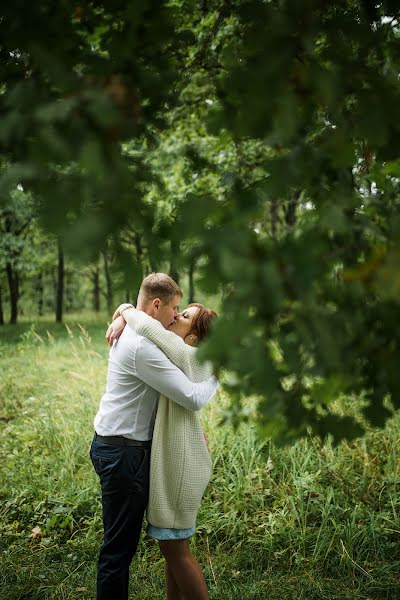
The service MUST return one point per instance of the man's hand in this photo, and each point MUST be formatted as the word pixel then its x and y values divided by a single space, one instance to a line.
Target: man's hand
pixel 115 330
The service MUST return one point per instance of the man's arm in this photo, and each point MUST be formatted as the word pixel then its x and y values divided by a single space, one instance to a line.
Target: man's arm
pixel 155 369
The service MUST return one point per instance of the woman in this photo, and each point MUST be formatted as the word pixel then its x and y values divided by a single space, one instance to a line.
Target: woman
pixel 180 466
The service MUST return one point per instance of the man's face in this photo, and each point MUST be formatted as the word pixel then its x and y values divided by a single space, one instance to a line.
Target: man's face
pixel 168 313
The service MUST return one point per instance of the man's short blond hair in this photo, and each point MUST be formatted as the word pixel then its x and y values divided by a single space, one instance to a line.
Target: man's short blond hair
pixel 158 285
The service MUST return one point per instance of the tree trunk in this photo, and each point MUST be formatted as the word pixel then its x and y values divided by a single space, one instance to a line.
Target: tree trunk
pixel 139 247
pixel 152 261
pixel 1 307
pixel 109 292
pixel 173 268
pixel 290 212
pixel 40 291
pixel 13 284
pixel 96 288
pixel 140 255
pixel 69 295
pixel 274 217
pixel 20 297
pixel 192 266
pixel 60 284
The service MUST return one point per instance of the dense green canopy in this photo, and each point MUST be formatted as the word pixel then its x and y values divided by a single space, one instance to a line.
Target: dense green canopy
pixel 259 140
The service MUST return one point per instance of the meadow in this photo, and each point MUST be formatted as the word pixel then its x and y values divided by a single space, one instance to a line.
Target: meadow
pixel 307 521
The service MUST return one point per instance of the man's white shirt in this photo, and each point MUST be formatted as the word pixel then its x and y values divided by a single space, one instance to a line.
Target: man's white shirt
pixel 138 371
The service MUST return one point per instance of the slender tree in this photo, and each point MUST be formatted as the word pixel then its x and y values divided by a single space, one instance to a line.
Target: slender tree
pixel 40 293
pixel 60 282
pixel 108 281
pixel 13 286
pixel 16 222
pixel 192 266
pixel 1 306
pixel 96 287
pixel 174 253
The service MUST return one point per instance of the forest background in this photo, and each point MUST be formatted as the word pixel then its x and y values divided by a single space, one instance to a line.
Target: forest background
pixel 251 150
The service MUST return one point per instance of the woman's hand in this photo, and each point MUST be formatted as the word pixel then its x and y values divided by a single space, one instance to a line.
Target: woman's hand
pixel 121 308
pixel 115 330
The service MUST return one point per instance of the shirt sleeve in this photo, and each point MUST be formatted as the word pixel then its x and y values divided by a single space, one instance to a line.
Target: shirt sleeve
pixel 155 369
pixel 181 354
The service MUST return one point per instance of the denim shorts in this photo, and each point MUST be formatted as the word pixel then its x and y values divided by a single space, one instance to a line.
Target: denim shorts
pixel 165 533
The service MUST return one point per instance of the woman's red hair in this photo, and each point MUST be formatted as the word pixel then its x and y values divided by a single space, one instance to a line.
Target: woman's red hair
pixel 202 320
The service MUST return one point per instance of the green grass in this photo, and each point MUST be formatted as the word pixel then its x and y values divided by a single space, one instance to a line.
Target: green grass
pixel 309 521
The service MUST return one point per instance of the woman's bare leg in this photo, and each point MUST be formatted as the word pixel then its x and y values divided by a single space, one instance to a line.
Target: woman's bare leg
pixel 183 570
pixel 173 592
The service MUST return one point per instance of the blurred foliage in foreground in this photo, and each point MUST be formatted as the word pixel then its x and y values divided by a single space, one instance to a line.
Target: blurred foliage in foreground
pixel 256 140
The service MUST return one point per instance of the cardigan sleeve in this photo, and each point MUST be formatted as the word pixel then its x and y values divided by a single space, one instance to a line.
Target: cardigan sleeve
pixel 180 353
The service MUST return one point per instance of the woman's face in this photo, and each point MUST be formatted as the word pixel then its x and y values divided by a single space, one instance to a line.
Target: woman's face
pixel 184 324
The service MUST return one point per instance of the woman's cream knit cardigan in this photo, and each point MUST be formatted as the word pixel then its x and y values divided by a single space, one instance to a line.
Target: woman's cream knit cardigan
pixel 180 466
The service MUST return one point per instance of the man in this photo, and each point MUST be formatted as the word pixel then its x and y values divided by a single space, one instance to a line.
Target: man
pixel 137 372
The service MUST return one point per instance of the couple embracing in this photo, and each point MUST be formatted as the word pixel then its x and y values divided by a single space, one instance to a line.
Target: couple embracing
pixel 149 450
